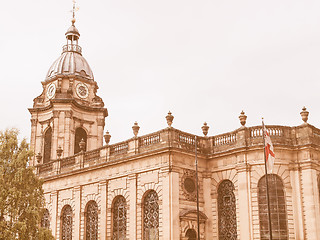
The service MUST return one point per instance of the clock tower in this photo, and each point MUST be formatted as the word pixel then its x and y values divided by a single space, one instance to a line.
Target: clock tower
pixel 68 110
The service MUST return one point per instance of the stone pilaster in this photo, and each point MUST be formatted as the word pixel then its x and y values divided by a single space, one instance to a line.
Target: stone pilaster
pixel 100 123
pixel 67 134
pixel 133 206
pixel 297 202
pixel 33 139
pixel 244 201
pixel 54 216
pixel 77 211
pixel 55 134
pixel 167 217
pixel 310 200
pixel 207 207
pixel 103 186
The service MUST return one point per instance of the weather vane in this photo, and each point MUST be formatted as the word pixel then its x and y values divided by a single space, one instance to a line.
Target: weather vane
pixel 74 10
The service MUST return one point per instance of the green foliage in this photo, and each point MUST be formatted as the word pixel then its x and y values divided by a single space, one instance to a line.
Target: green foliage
pixel 21 194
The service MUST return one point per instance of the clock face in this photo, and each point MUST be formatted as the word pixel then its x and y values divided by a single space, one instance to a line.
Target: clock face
pixel 51 90
pixel 82 90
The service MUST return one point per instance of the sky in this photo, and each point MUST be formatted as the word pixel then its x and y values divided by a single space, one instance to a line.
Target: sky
pixel 203 60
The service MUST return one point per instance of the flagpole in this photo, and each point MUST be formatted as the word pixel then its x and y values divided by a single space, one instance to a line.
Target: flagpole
pixel 196 160
pixel 267 185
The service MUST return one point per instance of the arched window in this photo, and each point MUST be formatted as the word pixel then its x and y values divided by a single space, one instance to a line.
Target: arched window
pixel 119 219
pixel 45 220
pixel 191 234
pixel 151 216
pixel 66 223
pixel 277 208
pixel 227 211
pixel 80 134
pixel 47 145
pixel 91 216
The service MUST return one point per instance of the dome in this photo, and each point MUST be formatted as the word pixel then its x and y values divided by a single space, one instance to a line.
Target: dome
pixel 70 63
pixel 72 33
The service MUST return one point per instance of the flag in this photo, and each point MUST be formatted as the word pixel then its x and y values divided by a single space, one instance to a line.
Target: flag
pixel 269 153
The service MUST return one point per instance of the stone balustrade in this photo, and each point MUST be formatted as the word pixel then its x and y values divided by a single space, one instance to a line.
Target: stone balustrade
pixel 174 139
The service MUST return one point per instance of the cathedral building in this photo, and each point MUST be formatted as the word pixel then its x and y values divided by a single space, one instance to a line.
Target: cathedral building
pixel 145 187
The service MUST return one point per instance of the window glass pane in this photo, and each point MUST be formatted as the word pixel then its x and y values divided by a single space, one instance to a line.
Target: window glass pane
pixel 277 208
pixel 151 216
pixel 119 218
pixel 92 221
pixel 227 211
pixel 66 222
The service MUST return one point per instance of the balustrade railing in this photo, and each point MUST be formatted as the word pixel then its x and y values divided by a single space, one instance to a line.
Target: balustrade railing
pixel 316 132
pixel 119 148
pixel 272 130
pixel 149 139
pixel 46 167
pixel 92 155
pixel 224 139
pixel 65 162
pixel 177 139
pixel 71 48
pixel 186 138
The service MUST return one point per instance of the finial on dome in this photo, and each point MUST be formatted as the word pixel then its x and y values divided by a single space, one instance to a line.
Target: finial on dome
pixel 72 33
pixel 74 9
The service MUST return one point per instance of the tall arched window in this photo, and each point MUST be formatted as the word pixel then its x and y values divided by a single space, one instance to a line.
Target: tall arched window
pixel 227 211
pixel 119 218
pixel 151 216
pixel 91 217
pixel 191 234
pixel 277 208
pixel 66 223
pixel 45 219
pixel 47 145
pixel 79 135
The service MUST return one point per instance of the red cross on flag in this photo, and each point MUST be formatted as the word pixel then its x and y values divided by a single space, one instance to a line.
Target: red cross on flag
pixel 269 153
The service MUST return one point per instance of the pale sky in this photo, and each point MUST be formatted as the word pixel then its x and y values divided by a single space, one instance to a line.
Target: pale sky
pixel 203 60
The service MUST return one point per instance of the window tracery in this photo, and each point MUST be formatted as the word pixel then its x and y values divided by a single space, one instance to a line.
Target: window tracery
pixel 119 218
pixel 227 211
pixel 277 208
pixel 189 184
pixel 66 223
pixel 45 220
pixel 91 217
pixel 151 216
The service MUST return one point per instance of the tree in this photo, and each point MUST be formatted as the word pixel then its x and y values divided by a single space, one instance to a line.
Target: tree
pixel 21 193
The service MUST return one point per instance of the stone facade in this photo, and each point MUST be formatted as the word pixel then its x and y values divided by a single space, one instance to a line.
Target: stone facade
pixel 163 160
pixel 145 187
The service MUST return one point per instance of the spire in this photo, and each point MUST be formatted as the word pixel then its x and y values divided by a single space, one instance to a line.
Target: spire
pixel 72 34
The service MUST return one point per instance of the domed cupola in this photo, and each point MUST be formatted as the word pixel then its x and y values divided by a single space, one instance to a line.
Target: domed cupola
pixel 71 62
pixel 68 111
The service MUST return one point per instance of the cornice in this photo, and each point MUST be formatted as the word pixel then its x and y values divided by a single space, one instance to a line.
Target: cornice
pixel 69 101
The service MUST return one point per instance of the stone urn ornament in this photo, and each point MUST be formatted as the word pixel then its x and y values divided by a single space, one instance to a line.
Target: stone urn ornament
pixel 82 145
pixel 135 129
pixel 304 114
pixel 38 157
pixel 169 118
pixel 107 137
pixel 243 118
pixel 205 129
pixel 59 152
